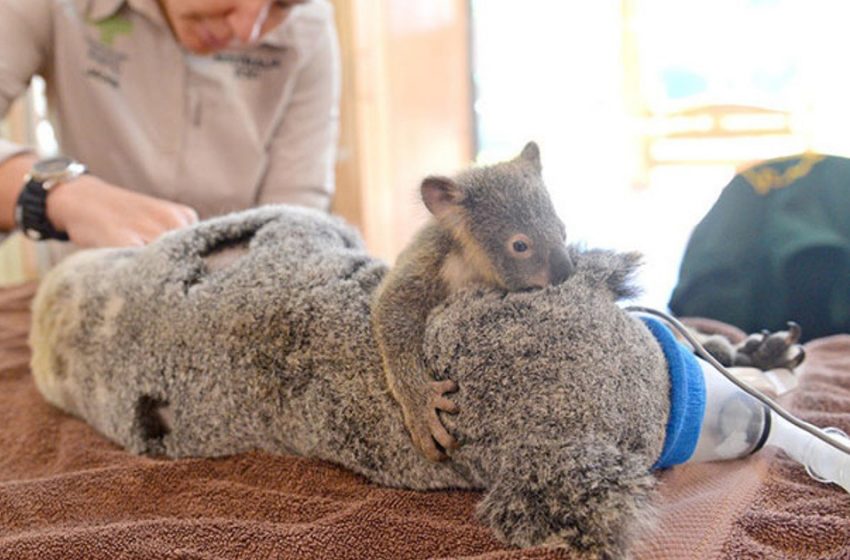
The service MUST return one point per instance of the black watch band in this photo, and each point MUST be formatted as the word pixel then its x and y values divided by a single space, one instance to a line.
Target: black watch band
pixel 31 213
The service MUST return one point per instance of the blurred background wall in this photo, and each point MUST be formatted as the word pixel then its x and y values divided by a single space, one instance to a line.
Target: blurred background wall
pixel 406 110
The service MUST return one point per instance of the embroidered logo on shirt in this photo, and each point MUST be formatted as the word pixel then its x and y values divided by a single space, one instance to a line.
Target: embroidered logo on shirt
pixel 112 27
pixel 104 63
pixel 249 66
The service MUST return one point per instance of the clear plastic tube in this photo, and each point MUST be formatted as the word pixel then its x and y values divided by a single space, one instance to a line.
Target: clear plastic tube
pixel 823 462
pixel 734 424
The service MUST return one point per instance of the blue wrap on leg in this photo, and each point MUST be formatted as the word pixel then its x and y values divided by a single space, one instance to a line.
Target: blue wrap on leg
pixel 687 397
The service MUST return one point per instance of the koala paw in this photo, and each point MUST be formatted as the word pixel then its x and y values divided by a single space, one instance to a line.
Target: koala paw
pixel 427 431
pixel 766 350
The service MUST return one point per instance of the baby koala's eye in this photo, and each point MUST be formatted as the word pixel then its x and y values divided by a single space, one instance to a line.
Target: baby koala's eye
pixel 520 246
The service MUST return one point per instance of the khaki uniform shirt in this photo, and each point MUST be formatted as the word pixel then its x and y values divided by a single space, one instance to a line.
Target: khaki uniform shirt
pixel 218 133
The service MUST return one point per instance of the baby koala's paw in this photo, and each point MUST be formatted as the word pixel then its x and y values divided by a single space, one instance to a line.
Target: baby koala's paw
pixel 427 431
pixel 766 350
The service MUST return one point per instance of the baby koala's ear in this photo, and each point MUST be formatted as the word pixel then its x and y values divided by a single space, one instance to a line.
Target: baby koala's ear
pixel 440 194
pixel 531 154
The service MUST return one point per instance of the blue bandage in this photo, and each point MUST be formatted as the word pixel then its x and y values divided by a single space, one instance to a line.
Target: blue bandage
pixel 687 397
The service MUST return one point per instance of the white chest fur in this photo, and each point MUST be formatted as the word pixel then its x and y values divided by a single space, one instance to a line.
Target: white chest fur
pixel 458 273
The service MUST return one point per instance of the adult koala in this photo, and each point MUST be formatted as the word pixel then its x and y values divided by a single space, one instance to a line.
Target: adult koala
pixel 253 331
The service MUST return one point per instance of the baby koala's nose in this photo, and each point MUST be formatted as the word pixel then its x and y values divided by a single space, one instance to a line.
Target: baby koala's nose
pixel 560 265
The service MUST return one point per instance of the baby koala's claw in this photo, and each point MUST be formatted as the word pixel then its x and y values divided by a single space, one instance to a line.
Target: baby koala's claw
pixel 429 434
pixel 438 395
pixel 798 358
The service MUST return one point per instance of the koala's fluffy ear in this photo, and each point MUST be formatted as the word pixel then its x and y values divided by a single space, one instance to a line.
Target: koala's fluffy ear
pixel 440 194
pixel 609 268
pixel 531 154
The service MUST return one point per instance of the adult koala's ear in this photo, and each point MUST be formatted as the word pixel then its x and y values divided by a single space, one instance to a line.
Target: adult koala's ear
pixel 440 194
pixel 531 154
pixel 585 495
pixel 615 270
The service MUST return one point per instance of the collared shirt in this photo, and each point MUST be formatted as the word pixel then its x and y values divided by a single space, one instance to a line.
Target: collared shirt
pixel 219 133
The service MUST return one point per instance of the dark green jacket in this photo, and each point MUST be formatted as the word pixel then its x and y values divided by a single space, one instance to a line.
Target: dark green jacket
pixel 775 247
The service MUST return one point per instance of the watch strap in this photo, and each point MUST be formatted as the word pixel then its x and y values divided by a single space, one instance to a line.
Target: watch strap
pixel 32 213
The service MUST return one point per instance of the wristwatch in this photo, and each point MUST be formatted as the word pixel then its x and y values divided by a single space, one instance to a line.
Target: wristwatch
pixel 31 209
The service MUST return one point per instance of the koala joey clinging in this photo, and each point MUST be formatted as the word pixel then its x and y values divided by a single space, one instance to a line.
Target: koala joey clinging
pixel 491 225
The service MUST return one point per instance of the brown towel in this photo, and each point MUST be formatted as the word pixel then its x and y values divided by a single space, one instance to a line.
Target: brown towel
pixel 66 492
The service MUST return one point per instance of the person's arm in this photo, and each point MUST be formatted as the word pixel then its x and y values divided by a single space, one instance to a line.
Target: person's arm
pixel 12 172
pixel 25 29
pixel 92 212
pixel 302 154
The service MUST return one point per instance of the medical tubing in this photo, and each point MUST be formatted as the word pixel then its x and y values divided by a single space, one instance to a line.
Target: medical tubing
pixel 755 393
pixel 823 462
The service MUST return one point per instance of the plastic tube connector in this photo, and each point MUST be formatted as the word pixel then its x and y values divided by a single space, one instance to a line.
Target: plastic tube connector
pixel 823 462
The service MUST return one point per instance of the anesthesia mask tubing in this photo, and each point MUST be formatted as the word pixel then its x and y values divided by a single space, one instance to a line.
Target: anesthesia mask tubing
pixel 738 420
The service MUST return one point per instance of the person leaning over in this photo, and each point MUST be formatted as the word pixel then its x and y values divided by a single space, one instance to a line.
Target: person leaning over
pixel 179 109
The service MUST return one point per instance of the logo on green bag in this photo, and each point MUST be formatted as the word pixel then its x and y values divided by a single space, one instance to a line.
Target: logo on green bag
pixel 112 27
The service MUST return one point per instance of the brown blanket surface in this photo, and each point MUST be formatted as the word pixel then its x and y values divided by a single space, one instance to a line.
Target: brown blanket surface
pixel 66 492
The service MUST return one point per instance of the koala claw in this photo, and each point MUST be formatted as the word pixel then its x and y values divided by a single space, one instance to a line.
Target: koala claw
pixel 427 430
pixel 768 350
pixel 794 332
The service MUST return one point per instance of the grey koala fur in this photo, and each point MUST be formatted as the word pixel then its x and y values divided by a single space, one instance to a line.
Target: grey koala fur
pixel 167 350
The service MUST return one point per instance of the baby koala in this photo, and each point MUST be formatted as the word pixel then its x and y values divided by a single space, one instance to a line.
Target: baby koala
pixel 491 225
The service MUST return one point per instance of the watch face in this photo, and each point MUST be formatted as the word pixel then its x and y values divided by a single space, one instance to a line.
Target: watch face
pixel 58 169
pixel 52 166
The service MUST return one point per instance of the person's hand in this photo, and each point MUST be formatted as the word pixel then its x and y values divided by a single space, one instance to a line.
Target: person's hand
pixel 97 214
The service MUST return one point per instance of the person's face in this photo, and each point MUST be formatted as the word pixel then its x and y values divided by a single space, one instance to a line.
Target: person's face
pixel 207 26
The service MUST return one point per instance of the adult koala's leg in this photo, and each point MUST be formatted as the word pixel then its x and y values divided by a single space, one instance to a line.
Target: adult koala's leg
pixel 66 309
pixel 589 496
pixel 764 360
pixel 766 350
pixel 55 313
